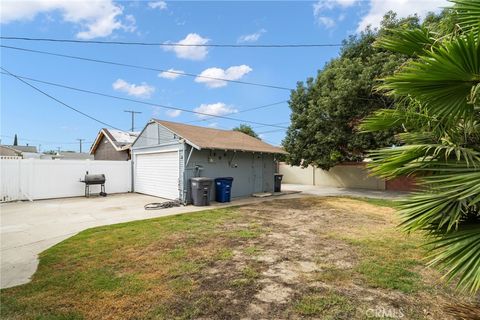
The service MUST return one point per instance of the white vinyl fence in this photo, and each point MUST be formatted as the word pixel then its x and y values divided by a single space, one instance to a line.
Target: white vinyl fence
pixel 32 179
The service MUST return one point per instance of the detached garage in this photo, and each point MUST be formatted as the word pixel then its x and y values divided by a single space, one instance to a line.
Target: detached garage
pixel 166 155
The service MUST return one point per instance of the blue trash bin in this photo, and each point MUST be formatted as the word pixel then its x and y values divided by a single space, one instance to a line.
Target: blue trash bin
pixel 223 188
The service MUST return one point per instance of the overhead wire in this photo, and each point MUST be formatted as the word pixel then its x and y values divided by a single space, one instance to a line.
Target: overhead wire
pixel 176 44
pixel 144 67
pixel 19 77
pixel 42 141
pixel 57 100
pixel 271 131
pixel 244 110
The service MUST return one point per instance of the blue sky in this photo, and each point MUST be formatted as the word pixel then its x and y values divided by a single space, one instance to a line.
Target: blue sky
pixel 40 121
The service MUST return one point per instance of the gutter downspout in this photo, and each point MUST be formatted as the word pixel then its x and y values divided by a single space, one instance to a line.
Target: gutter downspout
pixel 132 171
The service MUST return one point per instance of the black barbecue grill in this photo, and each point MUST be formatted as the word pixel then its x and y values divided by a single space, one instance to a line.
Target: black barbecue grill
pixel 93 179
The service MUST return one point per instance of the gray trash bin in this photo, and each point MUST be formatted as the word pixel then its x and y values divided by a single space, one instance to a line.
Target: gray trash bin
pixel 278 182
pixel 201 189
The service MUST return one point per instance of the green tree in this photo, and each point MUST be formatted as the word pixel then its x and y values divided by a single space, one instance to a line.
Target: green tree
pixel 438 107
pixel 327 110
pixel 245 128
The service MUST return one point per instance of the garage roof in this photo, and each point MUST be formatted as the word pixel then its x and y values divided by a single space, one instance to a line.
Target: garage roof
pixel 209 138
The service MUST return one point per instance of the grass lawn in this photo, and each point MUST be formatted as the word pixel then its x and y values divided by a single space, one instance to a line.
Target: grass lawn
pixel 326 258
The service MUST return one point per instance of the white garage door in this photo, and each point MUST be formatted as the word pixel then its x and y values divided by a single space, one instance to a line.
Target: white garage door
pixel 157 174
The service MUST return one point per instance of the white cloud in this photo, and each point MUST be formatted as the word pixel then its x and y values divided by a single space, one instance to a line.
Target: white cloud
pixel 325 21
pixel 251 37
pixel 160 5
pixel 171 74
pixel 96 18
pixel 173 113
pixel 187 52
pixel 321 6
pixel 142 90
pixel 213 124
pixel 232 73
pixel 214 109
pixel 403 8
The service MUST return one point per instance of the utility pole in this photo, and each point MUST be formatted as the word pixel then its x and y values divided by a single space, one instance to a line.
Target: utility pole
pixel 80 140
pixel 133 117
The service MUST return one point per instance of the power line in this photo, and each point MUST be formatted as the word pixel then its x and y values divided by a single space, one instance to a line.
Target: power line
pixel 43 141
pixel 144 67
pixel 245 110
pixel 57 100
pixel 173 44
pixel 271 131
pixel 132 100
pixel 279 123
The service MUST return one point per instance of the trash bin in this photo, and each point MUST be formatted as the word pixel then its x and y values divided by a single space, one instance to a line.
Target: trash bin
pixel 201 187
pixel 278 182
pixel 223 188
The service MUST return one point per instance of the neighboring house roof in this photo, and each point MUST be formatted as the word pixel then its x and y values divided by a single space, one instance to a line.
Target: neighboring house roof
pixel 8 151
pixel 209 138
pixel 31 149
pixel 120 140
pixel 73 156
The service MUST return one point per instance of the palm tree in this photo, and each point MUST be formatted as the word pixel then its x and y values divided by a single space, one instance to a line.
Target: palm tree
pixel 438 108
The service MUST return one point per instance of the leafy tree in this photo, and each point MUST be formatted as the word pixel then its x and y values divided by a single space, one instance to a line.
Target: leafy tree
pixel 245 128
pixel 327 110
pixel 439 111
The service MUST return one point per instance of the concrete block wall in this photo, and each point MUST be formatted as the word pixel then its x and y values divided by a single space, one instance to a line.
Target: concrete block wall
pixel 341 176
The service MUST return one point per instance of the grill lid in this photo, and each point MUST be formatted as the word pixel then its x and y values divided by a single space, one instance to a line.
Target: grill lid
pixel 94 178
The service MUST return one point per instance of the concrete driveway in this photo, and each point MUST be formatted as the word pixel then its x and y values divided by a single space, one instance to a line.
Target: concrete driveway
pixel 28 228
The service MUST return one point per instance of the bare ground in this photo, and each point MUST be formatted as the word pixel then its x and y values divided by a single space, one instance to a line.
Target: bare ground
pixel 320 258
pixel 303 250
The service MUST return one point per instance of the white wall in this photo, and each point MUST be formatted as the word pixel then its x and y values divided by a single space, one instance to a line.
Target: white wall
pixel 341 176
pixel 33 179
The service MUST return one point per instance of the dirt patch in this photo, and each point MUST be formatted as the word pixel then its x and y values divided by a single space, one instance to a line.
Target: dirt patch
pixel 322 258
pixel 274 292
pixel 304 245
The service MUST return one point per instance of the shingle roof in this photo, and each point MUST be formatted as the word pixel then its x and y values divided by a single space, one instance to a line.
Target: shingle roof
pixel 32 149
pixel 9 151
pixel 121 140
pixel 209 138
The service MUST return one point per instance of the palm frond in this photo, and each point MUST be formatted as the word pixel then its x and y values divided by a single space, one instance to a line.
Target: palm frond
pixel 443 200
pixel 385 119
pixel 442 80
pixel 458 253
pixel 468 15
pixel 421 159
pixel 407 41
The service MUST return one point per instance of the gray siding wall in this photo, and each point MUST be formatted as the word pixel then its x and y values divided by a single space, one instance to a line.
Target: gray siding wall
pixel 105 151
pixel 252 172
pixel 244 167
pixel 155 134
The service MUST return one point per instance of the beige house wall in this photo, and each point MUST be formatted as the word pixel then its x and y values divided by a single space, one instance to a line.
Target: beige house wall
pixel 341 176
